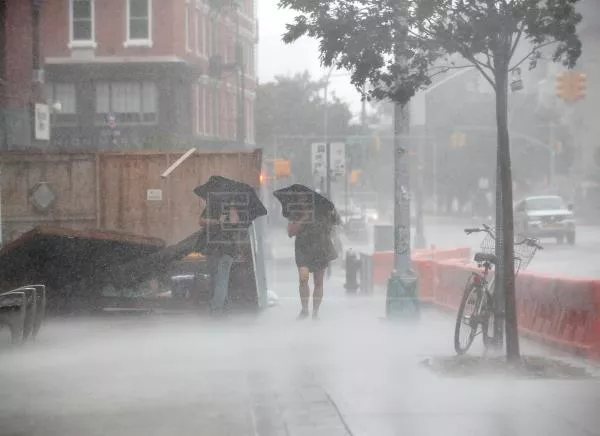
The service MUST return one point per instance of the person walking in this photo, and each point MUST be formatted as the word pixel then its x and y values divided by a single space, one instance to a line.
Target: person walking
pixel 221 249
pixel 314 251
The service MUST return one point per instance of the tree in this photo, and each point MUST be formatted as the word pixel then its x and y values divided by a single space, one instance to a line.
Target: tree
pixel 399 45
pixel 292 105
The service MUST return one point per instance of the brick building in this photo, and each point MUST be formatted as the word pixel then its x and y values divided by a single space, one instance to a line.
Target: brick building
pixel 134 73
pixel 16 73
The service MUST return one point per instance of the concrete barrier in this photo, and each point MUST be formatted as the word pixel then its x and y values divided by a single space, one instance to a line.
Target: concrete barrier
pixel 382 262
pixel 562 312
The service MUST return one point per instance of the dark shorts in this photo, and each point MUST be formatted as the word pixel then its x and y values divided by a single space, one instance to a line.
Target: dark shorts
pixel 311 254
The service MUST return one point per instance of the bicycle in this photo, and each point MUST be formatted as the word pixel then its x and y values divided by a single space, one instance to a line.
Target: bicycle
pixel 478 292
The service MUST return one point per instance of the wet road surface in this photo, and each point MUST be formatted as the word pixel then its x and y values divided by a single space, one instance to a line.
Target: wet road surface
pixel 579 260
pixel 351 373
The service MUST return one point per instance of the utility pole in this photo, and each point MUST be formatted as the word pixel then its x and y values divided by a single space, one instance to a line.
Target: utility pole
pixel 401 298
pixel 326 133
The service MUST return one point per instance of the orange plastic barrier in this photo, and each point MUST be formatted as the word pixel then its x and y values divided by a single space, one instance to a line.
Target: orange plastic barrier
pixel 382 266
pixel 383 262
pixel 559 311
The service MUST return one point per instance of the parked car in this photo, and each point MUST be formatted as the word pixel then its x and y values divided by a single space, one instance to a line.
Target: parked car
pixel 546 216
pixel 372 214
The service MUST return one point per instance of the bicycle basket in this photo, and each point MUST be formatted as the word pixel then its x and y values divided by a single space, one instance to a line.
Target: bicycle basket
pixel 523 253
pixel 488 245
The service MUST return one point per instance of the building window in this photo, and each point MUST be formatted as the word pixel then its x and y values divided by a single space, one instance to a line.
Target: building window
pixel 207 113
pixel 249 59
pixel 204 110
pixel 187 27
pixel 81 22
pixel 139 22
pixel 128 102
pixel 65 94
pixel 213 38
pixel 199 32
pixel 215 108
pixel 200 109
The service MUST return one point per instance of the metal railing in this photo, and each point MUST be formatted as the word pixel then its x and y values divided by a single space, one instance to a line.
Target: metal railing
pixel 22 310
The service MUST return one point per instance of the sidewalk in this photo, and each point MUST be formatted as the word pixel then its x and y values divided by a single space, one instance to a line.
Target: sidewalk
pixel 351 373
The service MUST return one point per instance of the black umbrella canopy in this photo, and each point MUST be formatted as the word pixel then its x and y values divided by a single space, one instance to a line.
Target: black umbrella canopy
pixel 221 193
pixel 299 198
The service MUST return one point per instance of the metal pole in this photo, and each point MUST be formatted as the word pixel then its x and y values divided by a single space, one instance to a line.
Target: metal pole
pixel 552 151
pixel 401 297
pixel 347 174
pixel 1 222
pixel 326 132
pixel 419 233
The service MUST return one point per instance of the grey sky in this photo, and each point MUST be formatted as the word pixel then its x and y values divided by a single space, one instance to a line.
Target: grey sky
pixel 275 58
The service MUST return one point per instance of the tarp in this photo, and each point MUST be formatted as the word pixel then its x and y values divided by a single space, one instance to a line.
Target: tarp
pixel 59 256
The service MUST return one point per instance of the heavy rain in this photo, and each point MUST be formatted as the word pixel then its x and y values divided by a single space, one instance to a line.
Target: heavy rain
pixel 281 218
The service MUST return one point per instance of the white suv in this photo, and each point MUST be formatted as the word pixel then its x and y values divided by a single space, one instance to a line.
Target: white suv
pixel 546 216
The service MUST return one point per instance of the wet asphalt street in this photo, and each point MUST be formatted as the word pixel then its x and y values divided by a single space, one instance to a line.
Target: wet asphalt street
pixel 351 373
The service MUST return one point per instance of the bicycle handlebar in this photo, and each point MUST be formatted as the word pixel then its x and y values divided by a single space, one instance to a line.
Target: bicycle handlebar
pixel 487 229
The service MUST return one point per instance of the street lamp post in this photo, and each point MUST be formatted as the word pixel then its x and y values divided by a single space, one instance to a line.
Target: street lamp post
pixel 401 297
pixel 326 134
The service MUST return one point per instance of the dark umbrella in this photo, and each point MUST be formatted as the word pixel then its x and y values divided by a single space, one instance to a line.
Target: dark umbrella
pixel 221 193
pixel 299 198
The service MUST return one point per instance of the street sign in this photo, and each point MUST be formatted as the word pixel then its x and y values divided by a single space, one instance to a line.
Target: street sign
pixel 338 159
pixel 42 122
pixel 318 160
pixel 154 195
pixel 337 163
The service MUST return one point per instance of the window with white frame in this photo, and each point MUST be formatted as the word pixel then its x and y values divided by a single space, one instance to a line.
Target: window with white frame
pixel 208 117
pixel 198 30
pixel 187 27
pixel 139 21
pixel 215 112
pixel 213 38
pixel 128 102
pixel 249 59
pixel 200 109
pixel 65 94
pixel 81 21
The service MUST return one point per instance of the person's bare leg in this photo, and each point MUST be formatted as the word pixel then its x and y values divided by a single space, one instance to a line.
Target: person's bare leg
pixel 318 278
pixel 303 275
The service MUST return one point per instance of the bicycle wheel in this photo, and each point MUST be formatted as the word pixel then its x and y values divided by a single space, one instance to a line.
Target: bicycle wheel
pixel 467 319
pixel 487 320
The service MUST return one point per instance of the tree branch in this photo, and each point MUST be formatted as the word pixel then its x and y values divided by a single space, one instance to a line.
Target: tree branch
pixel 535 49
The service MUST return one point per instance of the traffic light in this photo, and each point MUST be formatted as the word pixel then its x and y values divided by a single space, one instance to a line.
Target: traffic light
pixel 281 168
pixel 354 176
pixel 261 178
pixel 571 86
pixel 458 140
pixel 580 86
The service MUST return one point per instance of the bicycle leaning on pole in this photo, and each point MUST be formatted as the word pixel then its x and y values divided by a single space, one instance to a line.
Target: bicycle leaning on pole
pixel 476 310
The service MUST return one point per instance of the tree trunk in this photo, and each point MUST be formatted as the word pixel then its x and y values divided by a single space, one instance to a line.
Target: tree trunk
pixel 508 281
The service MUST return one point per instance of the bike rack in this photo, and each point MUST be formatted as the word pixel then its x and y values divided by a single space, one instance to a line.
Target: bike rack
pixel 23 310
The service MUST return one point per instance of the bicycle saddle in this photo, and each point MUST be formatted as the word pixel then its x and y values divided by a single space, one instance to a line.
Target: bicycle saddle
pixel 485 257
